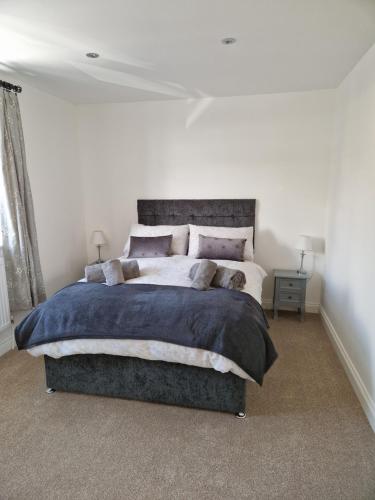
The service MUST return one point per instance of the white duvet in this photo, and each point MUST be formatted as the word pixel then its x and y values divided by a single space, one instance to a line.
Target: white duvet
pixel 162 271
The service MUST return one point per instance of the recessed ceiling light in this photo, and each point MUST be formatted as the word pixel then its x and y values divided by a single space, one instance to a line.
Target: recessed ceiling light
pixel 92 55
pixel 228 41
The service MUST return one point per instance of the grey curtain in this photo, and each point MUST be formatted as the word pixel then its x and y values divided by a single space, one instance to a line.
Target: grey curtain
pixel 20 245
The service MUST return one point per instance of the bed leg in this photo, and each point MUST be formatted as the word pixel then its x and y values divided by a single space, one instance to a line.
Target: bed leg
pixel 49 390
pixel 240 414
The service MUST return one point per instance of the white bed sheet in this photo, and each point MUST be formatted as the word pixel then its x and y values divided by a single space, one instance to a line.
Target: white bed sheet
pixel 163 271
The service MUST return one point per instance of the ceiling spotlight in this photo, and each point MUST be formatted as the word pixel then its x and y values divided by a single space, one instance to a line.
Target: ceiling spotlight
pixel 228 41
pixel 92 55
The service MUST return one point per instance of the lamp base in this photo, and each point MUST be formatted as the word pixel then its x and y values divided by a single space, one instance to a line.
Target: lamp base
pixel 301 269
pixel 99 260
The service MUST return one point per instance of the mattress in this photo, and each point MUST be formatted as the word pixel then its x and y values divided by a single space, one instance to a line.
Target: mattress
pixel 162 271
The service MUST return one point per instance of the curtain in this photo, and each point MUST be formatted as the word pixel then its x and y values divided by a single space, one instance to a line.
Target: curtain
pixel 17 222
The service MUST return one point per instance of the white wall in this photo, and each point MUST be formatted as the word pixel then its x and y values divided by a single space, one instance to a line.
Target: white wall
pixel 349 298
pixel 275 148
pixel 50 131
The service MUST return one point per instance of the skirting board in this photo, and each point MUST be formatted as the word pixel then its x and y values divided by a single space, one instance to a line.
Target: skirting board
pixel 310 307
pixel 367 403
pixel 6 340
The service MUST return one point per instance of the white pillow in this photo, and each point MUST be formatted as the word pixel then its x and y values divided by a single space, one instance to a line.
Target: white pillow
pixel 221 232
pixel 179 236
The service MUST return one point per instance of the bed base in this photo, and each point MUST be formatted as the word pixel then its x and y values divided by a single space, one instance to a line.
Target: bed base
pixel 144 380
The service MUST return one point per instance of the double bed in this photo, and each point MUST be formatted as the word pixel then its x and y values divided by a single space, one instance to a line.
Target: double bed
pixel 167 367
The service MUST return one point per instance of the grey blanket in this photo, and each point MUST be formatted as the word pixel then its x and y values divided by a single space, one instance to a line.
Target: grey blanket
pixel 227 322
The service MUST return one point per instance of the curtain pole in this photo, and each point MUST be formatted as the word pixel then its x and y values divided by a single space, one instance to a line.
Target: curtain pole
pixel 10 87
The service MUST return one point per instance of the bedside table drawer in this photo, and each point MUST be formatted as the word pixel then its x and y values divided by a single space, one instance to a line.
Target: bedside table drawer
pixel 290 296
pixel 290 284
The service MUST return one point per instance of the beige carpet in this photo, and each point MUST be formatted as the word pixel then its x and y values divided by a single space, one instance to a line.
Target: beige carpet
pixel 305 437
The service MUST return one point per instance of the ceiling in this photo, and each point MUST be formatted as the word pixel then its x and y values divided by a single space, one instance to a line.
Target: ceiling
pixel 166 49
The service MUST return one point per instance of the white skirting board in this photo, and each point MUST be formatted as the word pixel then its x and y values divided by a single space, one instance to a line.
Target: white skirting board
pixel 310 307
pixel 6 340
pixel 368 404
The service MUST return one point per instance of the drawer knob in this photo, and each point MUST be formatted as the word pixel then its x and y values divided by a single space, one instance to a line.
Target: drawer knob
pixel 290 284
pixel 289 297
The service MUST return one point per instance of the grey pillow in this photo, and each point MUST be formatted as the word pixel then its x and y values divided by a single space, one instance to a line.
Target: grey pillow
pixel 204 275
pixel 94 273
pixel 221 248
pixel 112 270
pixel 130 269
pixel 150 246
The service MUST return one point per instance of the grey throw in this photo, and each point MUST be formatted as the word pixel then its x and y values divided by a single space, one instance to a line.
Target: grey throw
pixel 17 221
pixel 113 272
pixel 227 322
pixel 224 277
pixel 204 275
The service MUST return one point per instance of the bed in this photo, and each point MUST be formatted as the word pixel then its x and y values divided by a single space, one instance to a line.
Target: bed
pixel 155 380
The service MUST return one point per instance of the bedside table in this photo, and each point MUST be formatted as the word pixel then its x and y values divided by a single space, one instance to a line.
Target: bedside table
pixel 290 290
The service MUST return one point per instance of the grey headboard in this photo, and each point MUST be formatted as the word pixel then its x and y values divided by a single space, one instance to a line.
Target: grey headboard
pixel 225 213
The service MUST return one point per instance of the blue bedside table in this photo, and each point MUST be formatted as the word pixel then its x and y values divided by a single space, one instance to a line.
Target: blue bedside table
pixel 290 290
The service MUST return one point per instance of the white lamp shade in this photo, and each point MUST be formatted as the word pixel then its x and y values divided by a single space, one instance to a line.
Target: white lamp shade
pixel 98 238
pixel 304 243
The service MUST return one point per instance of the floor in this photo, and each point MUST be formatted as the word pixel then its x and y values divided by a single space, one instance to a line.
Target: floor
pixel 305 436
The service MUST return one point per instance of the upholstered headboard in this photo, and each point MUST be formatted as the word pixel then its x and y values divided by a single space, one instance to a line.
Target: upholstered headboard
pixel 224 213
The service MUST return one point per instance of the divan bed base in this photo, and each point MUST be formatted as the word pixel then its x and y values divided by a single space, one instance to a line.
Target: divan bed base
pixel 144 380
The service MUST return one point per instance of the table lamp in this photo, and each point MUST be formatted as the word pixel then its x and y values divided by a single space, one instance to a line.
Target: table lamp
pixel 98 240
pixel 304 244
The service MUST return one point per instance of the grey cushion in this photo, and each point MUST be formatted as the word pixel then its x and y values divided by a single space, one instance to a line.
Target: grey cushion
pixel 150 246
pixel 233 279
pixel 193 270
pixel 221 248
pixel 204 274
pixel 94 273
pixel 113 272
pixel 130 269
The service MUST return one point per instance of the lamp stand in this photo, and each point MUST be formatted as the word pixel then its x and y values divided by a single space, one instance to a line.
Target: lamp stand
pixel 99 261
pixel 301 269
